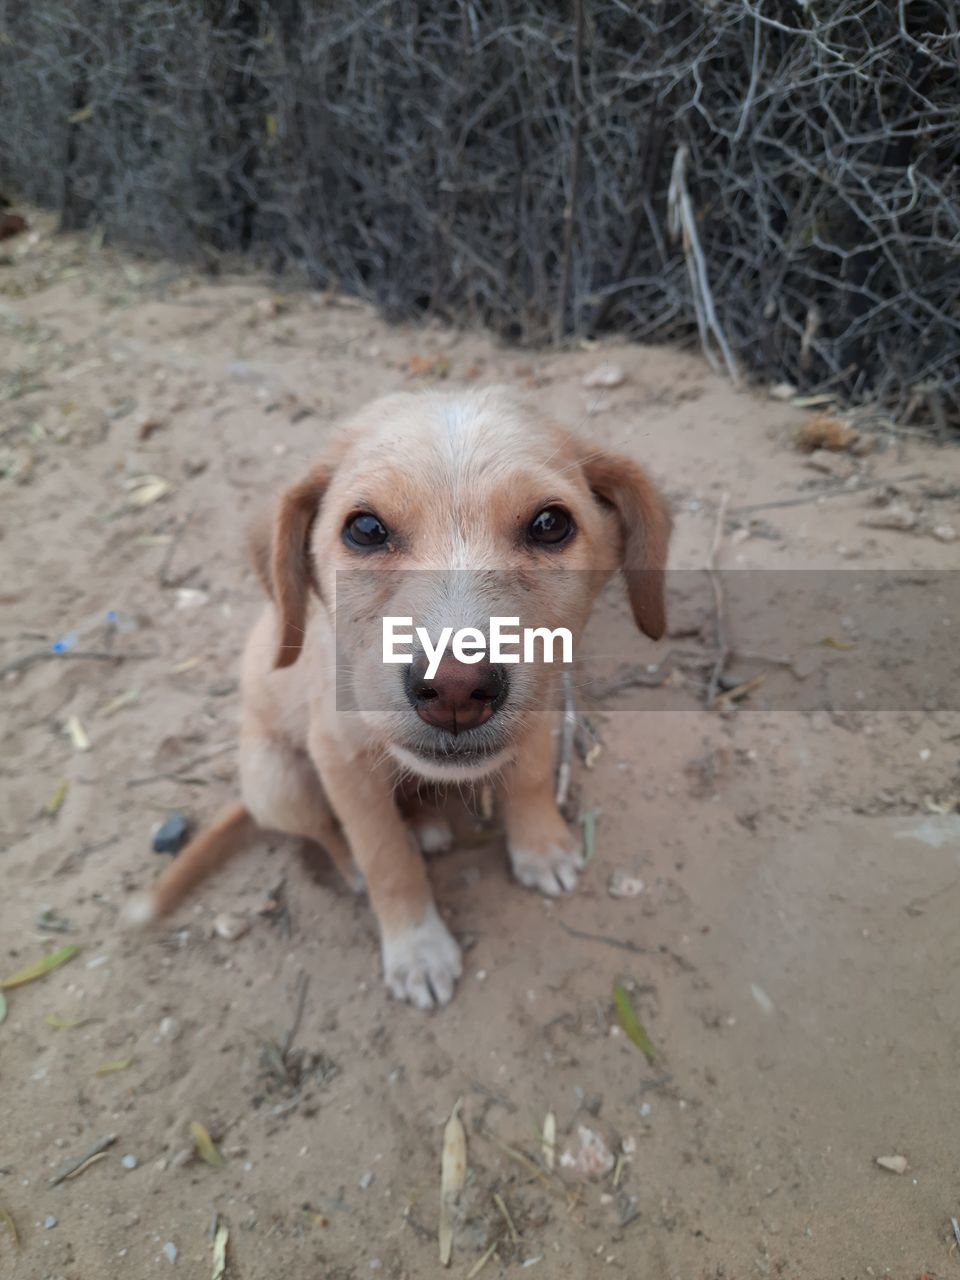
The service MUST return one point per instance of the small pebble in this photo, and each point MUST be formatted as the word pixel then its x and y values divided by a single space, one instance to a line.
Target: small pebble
pixel 49 1222
pixel 645 1109
pixel 129 1162
pixel 365 1181
pixel 230 927
pixel 172 836
pixel 169 1028
pixel 893 1164
pixel 622 885
pixel 170 1252
pixel 605 375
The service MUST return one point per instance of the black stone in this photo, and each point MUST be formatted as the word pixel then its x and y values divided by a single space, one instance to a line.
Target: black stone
pixel 172 836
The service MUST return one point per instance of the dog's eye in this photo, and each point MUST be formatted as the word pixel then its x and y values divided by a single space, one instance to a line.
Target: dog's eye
pixel 551 525
pixel 365 530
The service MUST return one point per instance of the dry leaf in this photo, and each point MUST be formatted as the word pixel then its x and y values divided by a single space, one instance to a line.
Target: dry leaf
pixel 453 1175
pixel 7 1220
pixel 482 1261
pixel 588 821
pixel 824 431
pixel 831 642
pixel 64 1024
pixel 54 804
pixel 631 1023
pixel 549 1144
pixel 187 665
pixel 145 490
pixel 204 1145
pixel 220 1251
pixel 428 366
pixel 739 691
pixel 125 699
pixel 108 1068
pixel 41 967
pixel 78 735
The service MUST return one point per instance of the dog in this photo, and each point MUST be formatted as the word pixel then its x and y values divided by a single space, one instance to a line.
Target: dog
pixel 447 508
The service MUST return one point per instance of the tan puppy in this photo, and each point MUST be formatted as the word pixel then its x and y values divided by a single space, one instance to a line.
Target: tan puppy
pixel 500 514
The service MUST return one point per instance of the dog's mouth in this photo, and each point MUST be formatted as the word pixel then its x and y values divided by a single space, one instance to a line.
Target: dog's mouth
pixel 467 755
pixel 457 753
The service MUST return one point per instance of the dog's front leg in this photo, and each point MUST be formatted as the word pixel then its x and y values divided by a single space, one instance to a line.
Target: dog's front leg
pixel 544 853
pixel 421 960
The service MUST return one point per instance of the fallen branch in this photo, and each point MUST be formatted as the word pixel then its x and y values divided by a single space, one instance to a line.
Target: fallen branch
pixel 73 1167
pixel 840 492
pixel 621 944
pixel 86 655
pixel 174 774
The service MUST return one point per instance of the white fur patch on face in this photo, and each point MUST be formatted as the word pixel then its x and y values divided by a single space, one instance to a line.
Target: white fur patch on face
pixel 422 964
pixel 437 771
pixel 552 871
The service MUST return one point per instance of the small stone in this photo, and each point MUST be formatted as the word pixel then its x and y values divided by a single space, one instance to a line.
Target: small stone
pixel 623 886
pixel 129 1162
pixel 172 835
pixel 182 1158
pixel 365 1181
pixel 594 1160
pixel 894 1164
pixel 49 1222
pixel 191 598
pixel 169 1028
pixel 605 375
pixel 782 391
pixel 944 533
pixel 896 516
pixel 230 927
pixel 170 1252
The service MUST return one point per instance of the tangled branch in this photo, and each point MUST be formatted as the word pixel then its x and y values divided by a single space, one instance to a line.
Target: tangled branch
pixel 510 165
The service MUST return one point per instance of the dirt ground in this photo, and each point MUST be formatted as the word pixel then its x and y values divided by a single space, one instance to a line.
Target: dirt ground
pixel 793 953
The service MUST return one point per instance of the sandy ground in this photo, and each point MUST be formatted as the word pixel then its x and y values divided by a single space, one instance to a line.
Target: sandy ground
pixel 793 953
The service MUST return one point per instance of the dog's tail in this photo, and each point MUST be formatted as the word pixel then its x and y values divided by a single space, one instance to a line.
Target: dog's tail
pixel 190 868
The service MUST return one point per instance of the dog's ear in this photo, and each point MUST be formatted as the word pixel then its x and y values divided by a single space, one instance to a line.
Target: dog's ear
pixel 645 526
pixel 290 569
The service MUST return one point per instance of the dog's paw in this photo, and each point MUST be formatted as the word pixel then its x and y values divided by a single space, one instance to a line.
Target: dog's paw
pixel 422 964
pixel 433 835
pixel 552 870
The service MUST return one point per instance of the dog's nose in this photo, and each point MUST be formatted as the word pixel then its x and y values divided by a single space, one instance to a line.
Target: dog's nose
pixel 460 696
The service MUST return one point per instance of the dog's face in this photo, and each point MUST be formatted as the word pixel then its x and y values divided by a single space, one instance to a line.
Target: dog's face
pixel 451 509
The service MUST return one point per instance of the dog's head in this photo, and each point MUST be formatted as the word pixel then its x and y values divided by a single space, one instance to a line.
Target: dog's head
pixel 450 509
